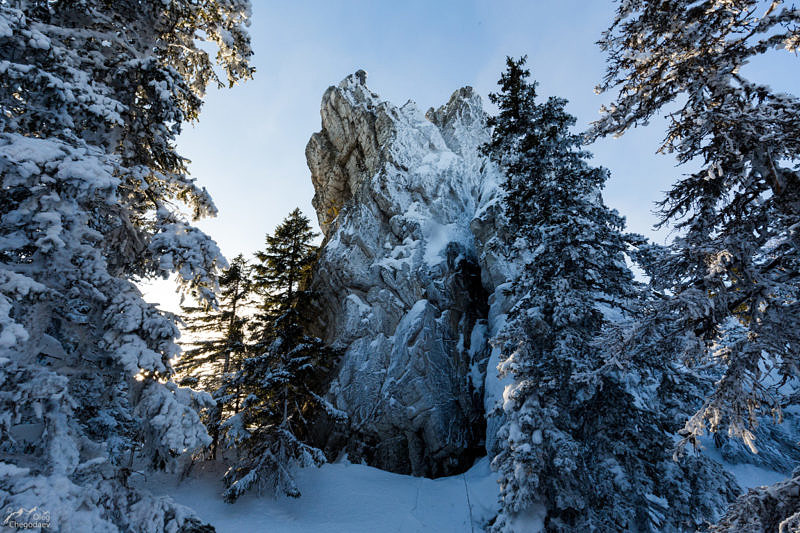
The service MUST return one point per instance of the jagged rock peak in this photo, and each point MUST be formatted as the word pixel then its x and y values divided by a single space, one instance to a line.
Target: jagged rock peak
pixel 359 134
pixel 403 281
pixel 459 119
pixel 348 147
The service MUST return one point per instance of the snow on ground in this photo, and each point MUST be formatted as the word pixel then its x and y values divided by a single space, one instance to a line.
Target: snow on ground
pixel 747 475
pixel 345 497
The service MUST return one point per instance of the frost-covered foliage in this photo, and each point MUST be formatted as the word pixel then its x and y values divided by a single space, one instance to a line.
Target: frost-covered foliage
pixel 730 279
pixel 281 381
pixel 773 508
pixel 739 250
pixel 586 438
pixel 92 96
pixel 217 346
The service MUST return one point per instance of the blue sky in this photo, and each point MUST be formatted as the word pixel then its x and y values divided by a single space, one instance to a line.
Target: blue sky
pixel 248 147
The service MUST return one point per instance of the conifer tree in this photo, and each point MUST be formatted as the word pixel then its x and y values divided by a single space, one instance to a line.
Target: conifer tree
pixel 92 97
pixel 217 345
pixel 278 274
pixel 281 380
pixel 730 283
pixel 738 253
pixel 580 436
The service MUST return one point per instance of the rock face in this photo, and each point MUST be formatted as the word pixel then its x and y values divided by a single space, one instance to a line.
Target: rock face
pixel 410 258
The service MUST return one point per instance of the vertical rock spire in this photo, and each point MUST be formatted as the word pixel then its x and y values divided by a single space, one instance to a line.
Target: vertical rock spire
pixel 402 282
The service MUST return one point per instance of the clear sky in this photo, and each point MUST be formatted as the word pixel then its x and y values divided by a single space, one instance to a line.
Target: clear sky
pixel 248 147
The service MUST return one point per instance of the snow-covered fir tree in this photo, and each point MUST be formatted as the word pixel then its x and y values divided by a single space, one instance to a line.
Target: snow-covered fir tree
pixel 730 279
pixel 282 381
pixel 92 97
pixel 738 252
pixel 217 346
pixel 582 436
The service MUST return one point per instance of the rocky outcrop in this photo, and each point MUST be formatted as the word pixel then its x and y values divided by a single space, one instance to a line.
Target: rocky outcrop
pixel 350 147
pixel 410 258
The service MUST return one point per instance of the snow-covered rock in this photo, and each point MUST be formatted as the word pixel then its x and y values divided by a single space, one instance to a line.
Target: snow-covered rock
pixel 407 205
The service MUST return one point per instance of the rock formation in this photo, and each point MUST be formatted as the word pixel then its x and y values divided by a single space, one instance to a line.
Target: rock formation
pixel 406 276
pixel 411 284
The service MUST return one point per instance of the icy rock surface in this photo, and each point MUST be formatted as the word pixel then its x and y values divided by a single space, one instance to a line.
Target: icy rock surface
pixel 407 205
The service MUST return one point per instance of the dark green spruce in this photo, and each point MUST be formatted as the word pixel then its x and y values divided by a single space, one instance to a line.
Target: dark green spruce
pixel 282 379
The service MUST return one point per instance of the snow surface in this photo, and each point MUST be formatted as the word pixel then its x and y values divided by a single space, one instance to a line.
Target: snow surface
pixel 747 475
pixel 345 497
